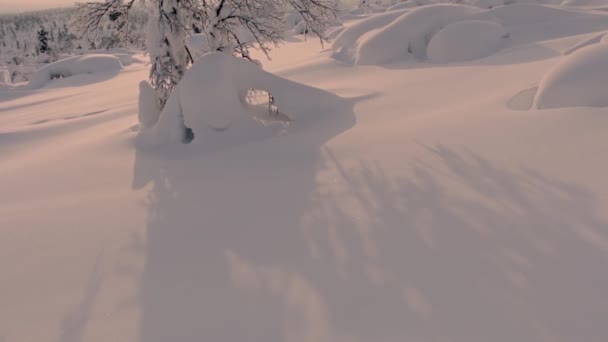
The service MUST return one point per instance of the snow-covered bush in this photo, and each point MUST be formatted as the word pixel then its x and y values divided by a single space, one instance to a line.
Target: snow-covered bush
pixel 579 80
pixel 75 65
pixel 466 40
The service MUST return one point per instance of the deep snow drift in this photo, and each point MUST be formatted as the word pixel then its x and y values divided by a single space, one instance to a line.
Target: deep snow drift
pixel 397 36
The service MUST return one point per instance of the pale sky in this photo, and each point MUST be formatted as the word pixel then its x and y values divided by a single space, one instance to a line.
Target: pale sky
pixel 7 6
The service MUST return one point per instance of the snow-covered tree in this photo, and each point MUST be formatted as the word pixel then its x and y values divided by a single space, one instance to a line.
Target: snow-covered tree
pixel 232 26
pixel 43 40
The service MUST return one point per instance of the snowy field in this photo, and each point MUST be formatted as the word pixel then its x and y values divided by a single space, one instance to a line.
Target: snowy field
pixel 438 174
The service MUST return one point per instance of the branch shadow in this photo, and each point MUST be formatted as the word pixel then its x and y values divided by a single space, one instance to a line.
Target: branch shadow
pixel 461 249
pixel 209 212
pixel 75 322
pixel 464 250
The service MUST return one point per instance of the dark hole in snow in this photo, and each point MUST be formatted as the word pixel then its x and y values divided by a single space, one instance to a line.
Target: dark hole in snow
pixel 189 136
pixel 55 76
pixel 264 108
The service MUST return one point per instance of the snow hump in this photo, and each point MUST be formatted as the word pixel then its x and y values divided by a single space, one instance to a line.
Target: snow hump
pixel 86 64
pixel 407 35
pixel 466 40
pixel 212 96
pixel 578 80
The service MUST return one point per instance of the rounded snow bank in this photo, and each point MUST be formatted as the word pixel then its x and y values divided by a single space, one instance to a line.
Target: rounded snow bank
pixel 466 40
pixel 530 13
pixel 212 97
pixel 86 64
pixel 346 43
pixel 408 35
pixel 579 80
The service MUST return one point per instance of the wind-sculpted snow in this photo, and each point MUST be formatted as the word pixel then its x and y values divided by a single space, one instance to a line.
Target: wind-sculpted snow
pixel 467 40
pixel 409 34
pixel 345 45
pixel 391 38
pixel 579 80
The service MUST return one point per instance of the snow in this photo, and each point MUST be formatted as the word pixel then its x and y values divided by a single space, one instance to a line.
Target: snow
pixel 76 65
pixel 466 40
pixel 209 107
pixel 408 34
pixel 403 5
pixel 403 202
pixel 345 44
pixel 5 79
pixel 576 81
pixel 148 108
pixel 487 4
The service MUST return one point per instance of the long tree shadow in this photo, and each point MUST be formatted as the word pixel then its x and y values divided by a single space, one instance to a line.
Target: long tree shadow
pixel 209 211
pixel 462 249
pixel 255 246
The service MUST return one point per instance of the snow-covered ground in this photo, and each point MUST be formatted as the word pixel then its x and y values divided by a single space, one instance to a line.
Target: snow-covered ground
pixel 432 201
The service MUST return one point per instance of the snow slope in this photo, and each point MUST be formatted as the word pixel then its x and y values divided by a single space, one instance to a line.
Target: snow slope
pixel 425 209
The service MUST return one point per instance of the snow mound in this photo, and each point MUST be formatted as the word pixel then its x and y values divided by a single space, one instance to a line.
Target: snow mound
pixel 345 43
pixel 86 64
pixel 579 80
pixel 409 34
pixel 212 96
pixel 466 40
pixel 604 38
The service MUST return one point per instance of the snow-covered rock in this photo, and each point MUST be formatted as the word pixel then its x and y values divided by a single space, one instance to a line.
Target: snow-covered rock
pixel 409 34
pixel 579 80
pixel 212 96
pixel 86 64
pixel 466 40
